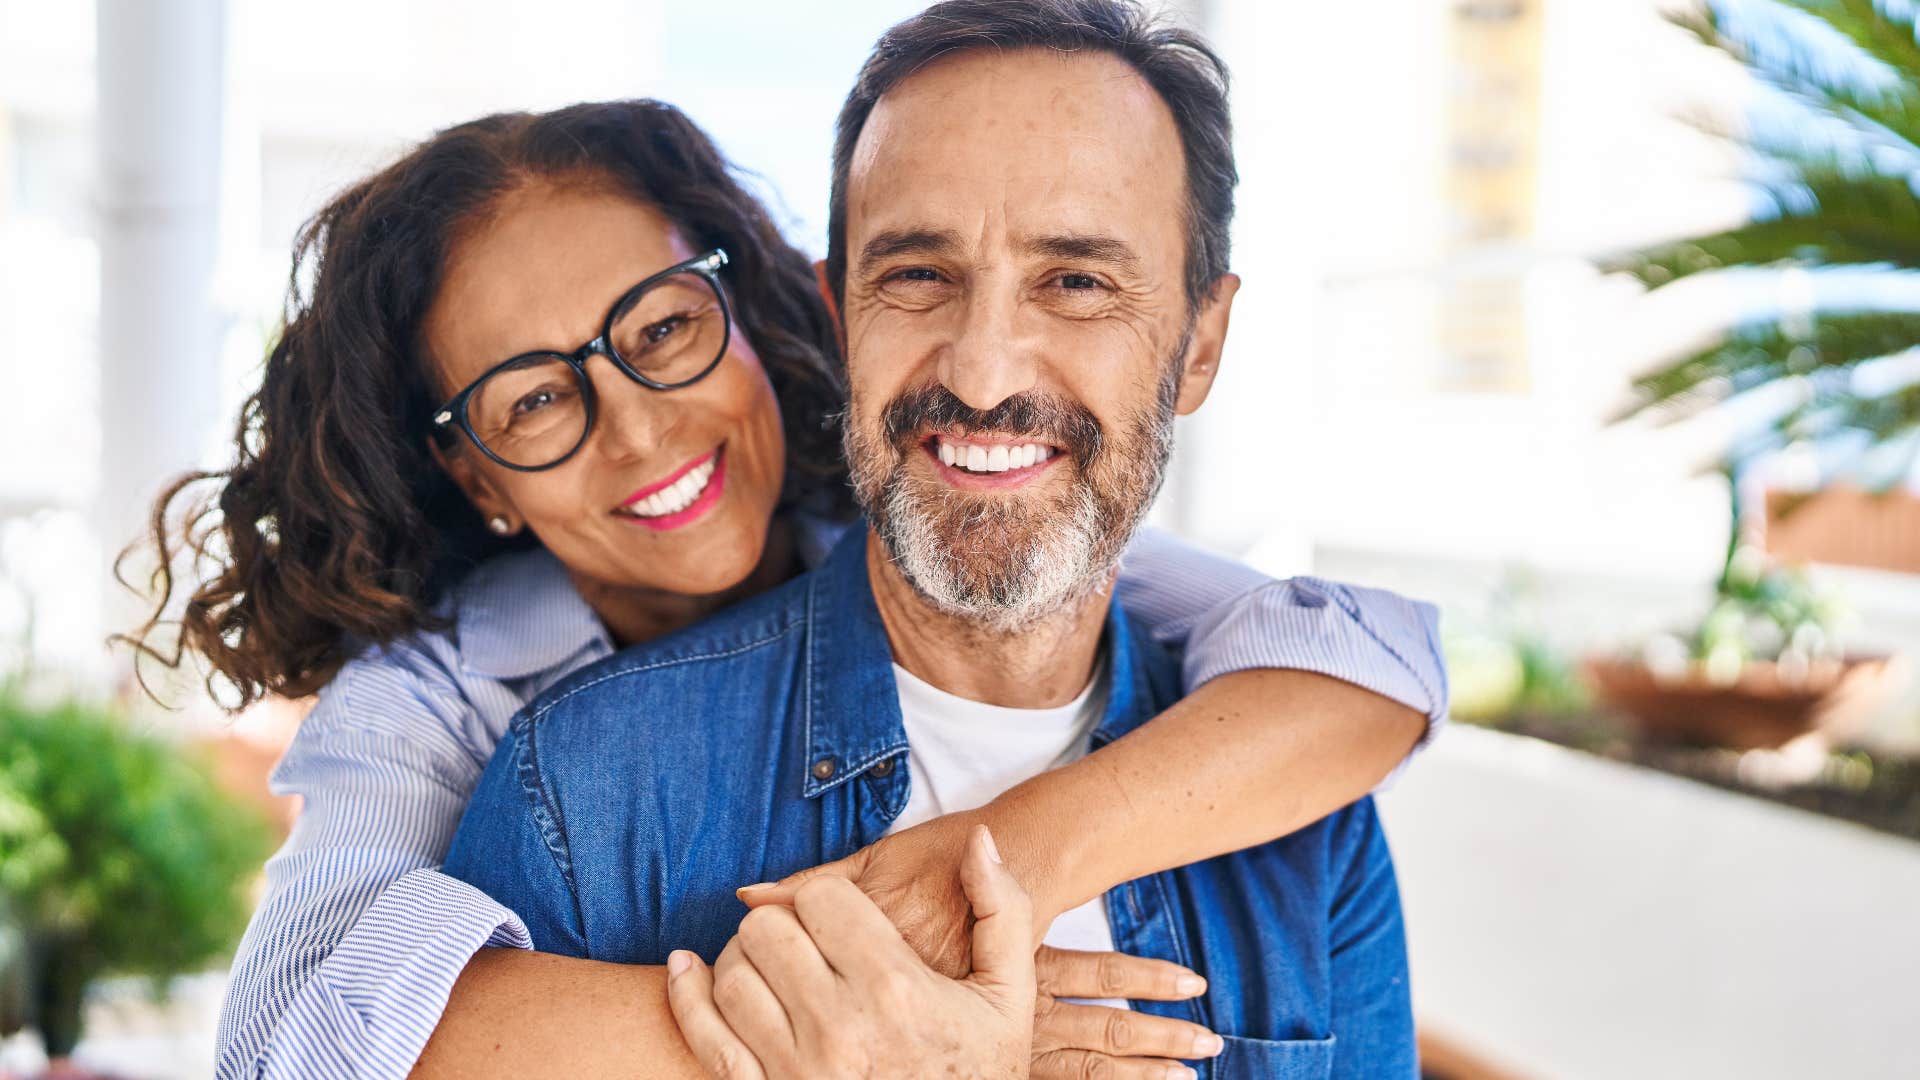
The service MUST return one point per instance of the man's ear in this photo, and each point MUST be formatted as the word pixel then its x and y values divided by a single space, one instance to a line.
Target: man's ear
pixel 833 306
pixel 1209 337
pixel 474 483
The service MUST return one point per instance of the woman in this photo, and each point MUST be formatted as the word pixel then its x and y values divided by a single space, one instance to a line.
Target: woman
pixel 385 542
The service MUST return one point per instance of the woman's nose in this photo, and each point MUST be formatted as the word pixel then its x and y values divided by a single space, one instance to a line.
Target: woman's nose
pixel 633 420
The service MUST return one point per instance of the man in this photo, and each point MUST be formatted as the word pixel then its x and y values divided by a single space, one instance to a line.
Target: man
pixel 1029 252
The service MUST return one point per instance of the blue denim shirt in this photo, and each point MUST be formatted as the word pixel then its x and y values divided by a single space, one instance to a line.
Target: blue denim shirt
pixel 626 804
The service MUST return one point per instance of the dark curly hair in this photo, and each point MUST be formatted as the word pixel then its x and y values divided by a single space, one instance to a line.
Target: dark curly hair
pixel 334 526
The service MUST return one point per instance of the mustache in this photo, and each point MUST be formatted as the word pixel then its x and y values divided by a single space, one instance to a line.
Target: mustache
pixel 1051 418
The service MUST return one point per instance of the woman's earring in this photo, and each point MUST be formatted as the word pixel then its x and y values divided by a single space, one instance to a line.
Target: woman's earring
pixel 500 526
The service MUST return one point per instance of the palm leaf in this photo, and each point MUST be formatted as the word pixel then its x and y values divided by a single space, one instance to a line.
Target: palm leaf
pixel 1889 111
pixel 1763 352
pixel 1881 30
pixel 1821 213
pixel 1883 418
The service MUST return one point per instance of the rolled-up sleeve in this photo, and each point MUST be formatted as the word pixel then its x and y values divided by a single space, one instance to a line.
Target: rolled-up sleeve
pixel 347 964
pixel 1231 618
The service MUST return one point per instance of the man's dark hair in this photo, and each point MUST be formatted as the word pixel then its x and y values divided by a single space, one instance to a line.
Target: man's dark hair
pixel 1181 67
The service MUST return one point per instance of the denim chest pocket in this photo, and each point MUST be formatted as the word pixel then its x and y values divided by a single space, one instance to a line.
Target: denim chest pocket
pixel 1291 1059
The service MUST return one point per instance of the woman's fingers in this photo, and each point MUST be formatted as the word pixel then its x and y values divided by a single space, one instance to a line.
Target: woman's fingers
pixel 750 1008
pixel 1120 1033
pixel 1070 973
pixel 784 890
pixel 849 930
pixel 1080 1064
pixel 786 958
pixel 714 1044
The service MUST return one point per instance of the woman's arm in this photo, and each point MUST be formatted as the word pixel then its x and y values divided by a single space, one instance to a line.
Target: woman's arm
pixel 1247 758
pixel 530 1014
pixel 363 960
pixel 1314 693
pixel 1304 695
pixel 357 939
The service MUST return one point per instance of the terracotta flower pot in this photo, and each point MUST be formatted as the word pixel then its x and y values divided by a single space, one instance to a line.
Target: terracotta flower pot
pixel 1845 525
pixel 1765 708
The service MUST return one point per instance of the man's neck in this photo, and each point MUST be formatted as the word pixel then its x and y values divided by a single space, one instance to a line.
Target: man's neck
pixel 1039 666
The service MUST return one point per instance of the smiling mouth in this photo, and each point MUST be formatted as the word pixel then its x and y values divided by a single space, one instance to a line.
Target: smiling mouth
pixel 673 498
pixel 981 458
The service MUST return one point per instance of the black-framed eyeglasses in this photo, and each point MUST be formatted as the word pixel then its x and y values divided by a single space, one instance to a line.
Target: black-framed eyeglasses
pixel 535 410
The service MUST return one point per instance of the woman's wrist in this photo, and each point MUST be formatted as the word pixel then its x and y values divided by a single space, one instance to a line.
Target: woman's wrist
pixel 1052 836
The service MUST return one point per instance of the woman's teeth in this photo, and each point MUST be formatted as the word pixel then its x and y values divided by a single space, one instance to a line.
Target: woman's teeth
pixel 676 496
pixel 991 459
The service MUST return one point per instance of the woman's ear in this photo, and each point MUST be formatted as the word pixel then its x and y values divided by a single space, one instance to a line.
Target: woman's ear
pixel 1209 338
pixel 476 485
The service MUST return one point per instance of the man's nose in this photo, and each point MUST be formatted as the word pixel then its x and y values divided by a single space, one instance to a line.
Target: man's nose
pixel 991 358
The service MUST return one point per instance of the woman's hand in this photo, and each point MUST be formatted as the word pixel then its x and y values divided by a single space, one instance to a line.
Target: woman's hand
pixel 829 987
pixel 911 875
pixel 1071 1041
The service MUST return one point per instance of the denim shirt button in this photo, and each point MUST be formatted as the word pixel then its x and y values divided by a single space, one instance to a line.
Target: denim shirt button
pixel 881 769
pixel 825 768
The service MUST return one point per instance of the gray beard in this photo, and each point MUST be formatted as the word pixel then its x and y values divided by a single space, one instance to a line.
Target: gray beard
pixel 980 565
pixel 1006 568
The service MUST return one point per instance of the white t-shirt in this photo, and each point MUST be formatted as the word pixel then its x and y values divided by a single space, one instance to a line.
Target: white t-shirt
pixel 961 754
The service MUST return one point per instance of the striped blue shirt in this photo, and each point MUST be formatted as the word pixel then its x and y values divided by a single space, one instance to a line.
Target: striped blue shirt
pixel 358 940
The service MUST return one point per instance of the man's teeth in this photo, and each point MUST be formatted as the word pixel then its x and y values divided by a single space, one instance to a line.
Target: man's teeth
pixel 990 459
pixel 676 496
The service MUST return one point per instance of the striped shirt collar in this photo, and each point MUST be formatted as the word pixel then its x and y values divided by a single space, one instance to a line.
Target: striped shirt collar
pixel 519 615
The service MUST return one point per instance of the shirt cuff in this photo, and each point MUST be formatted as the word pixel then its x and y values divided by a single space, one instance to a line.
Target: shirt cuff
pixel 369 1009
pixel 1374 639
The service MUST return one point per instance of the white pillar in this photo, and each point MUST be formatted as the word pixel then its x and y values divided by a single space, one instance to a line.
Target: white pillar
pixel 161 76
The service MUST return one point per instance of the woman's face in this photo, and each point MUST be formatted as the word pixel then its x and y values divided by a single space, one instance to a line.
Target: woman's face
pixel 540 273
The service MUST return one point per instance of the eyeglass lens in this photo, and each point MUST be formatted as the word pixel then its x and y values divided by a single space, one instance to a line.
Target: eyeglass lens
pixel 534 412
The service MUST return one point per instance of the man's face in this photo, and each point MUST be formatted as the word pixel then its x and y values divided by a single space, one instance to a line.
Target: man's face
pixel 1017 325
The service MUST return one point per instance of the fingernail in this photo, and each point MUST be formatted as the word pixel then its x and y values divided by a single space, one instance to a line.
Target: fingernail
pixel 1180 1072
pixel 1192 984
pixel 1208 1045
pixel 678 961
pixel 750 888
pixel 993 850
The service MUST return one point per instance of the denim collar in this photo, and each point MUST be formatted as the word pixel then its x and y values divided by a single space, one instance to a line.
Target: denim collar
pixel 852 702
pixel 853 707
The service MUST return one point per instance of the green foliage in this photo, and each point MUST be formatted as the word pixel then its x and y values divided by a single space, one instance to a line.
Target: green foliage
pixel 1768 613
pixel 1502 664
pixel 1844 199
pixel 117 845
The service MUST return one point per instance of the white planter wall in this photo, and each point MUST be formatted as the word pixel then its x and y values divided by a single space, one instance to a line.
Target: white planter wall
pixel 1578 918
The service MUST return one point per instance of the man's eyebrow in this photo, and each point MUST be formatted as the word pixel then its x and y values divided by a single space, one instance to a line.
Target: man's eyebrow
pixel 1086 247
pixel 896 242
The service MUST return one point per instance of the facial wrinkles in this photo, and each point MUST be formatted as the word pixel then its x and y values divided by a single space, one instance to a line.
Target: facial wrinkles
pixel 1075 155
pixel 1004 564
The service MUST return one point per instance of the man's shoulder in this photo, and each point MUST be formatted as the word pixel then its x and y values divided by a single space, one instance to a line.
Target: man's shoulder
pixel 1156 664
pixel 641 677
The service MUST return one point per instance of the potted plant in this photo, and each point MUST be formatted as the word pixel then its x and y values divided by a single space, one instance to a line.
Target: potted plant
pixel 118 854
pixel 1835 176
pixel 1764 668
pixel 1835 153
